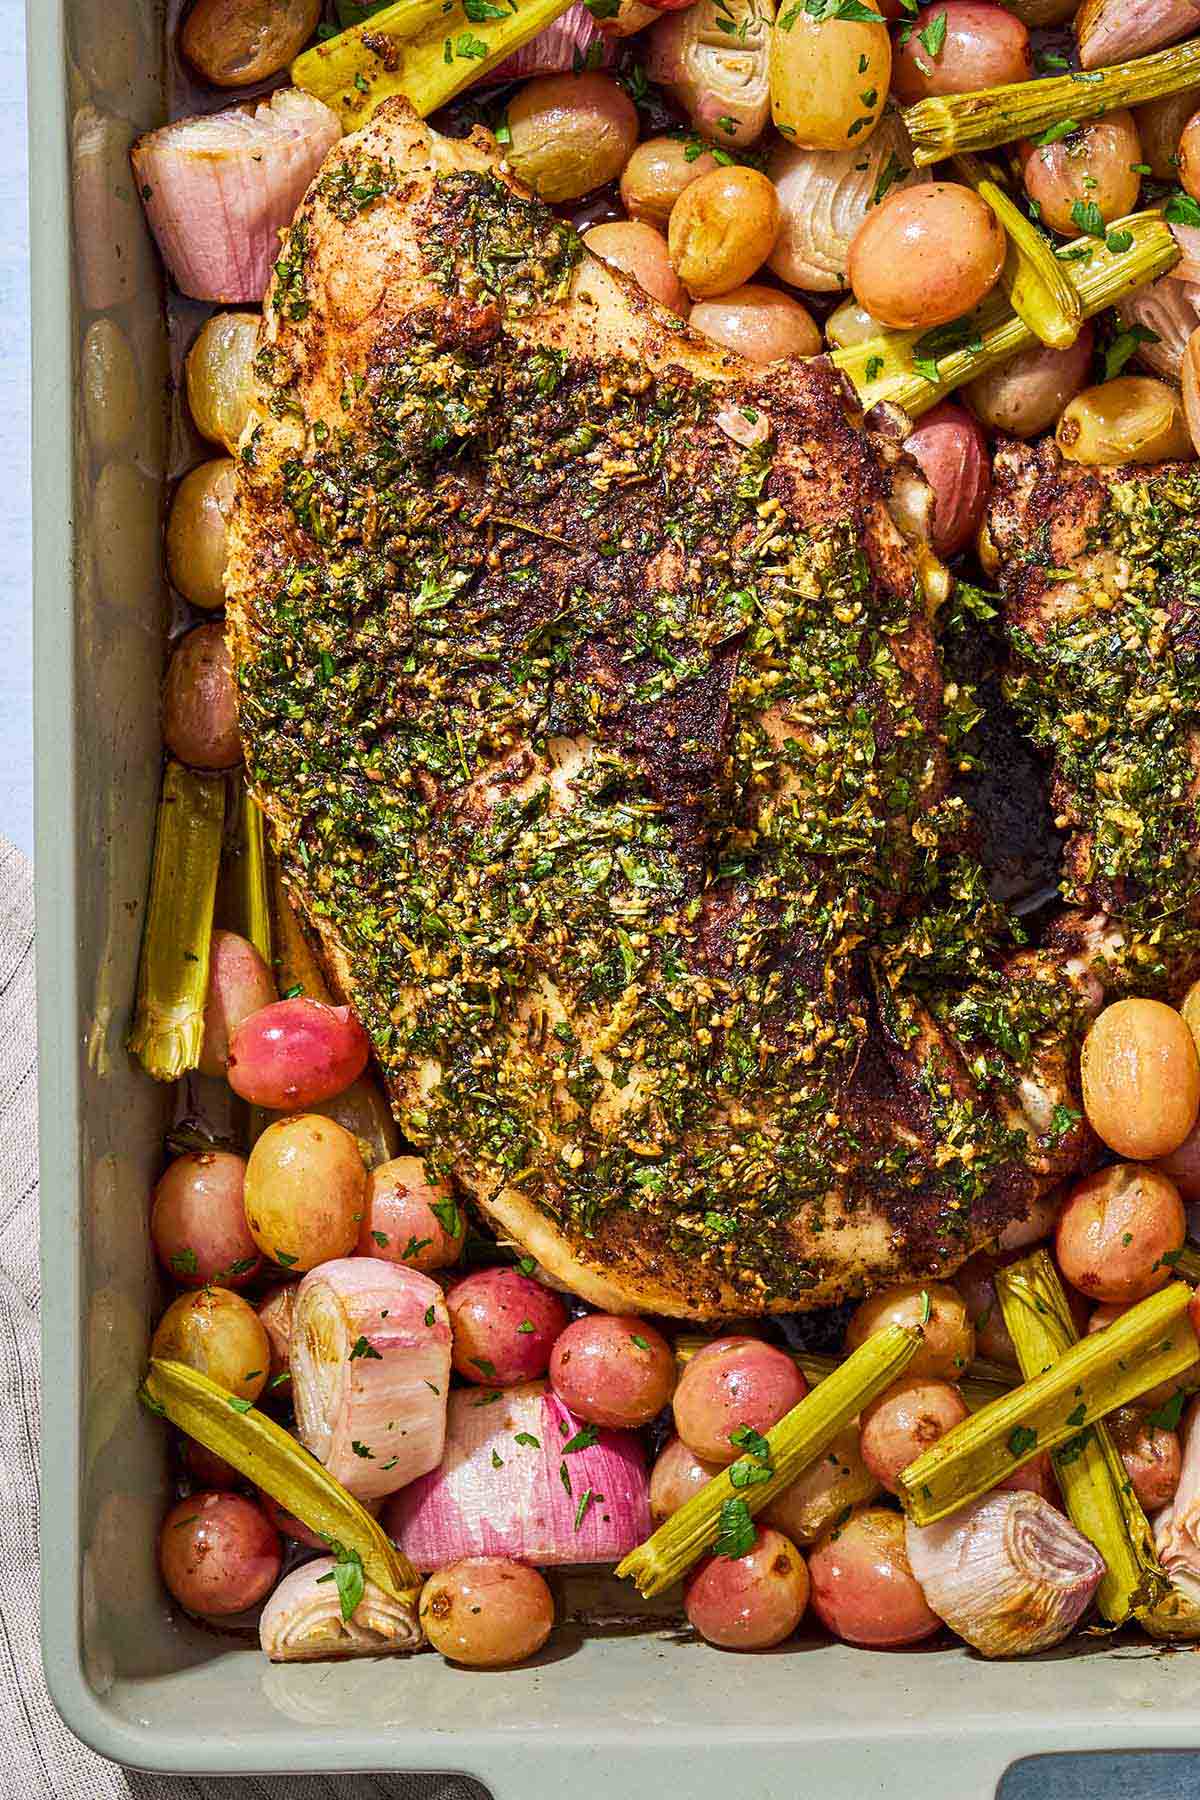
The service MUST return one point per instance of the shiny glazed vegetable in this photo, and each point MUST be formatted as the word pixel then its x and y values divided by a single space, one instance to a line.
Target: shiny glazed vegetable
pixel 216 1332
pixel 760 323
pixel 960 48
pixel 639 250
pixel 1131 419
pixel 1025 395
pixel 504 1325
pixel 733 1384
pixel 613 1371
pixel 953 456
pixel 1082 182
pixel 219 373
pixel 824 196
pixel 934 1308
pixel 239 984
pixel 296 1052
pixel 1140 1075
pixel 200 702
pixel 409 1217
pixel 657 173
pixel 752 1601
pixel 677 1477
pixel 198 1222
pixel 863 1588
pixel 196 532
pixel 927 255
pixel 1159 126
pixel 828 87
pixel 304 1192
pixel 570 134
pixel 235 43
pixel 1120 1232
pixel 219 1554
pixel 712 58
pixel 722 229
pixel 901 1423
pixel 487 1612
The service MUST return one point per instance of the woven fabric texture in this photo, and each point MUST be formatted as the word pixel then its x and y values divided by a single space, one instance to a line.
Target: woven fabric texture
pixel 42 1760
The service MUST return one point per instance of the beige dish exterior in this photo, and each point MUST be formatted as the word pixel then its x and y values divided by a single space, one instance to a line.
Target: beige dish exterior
pixel 646 1716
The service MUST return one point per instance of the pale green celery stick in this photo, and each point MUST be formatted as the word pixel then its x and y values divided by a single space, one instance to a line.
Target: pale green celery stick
pixel 1034 279
pixel 1150 1343
pixel 1098 1493
pixel 799 1438
pixel 946 123
pixel 422 50
pixel 883 368
pixel 168 1028
pixel 275 1461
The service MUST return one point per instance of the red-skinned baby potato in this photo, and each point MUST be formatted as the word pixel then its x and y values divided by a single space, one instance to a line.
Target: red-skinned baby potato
pixel 611 1370
pixel 978 46
pixel 748 1602
pixel 295 1053
pixel 1151 1455
pixel 927 255
pixel 863 1588
pixel 219 1554
pixel 411 1217
pixel 677 1476
pixel 1116 1231
pixel 637 249
pixel 1024 395
pixel 949 445
pixel 504 1326
pixel 1093 167
pixel 199 705
pixel 734 1383
pixel 239 984
pixel 198 1221
pixel 760 323
pixel 906 1420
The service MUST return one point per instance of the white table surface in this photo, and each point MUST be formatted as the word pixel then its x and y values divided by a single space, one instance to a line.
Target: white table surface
pixel 16 646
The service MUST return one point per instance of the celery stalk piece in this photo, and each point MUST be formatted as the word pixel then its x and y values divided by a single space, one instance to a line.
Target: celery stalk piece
pixel 1150 1343
pixel 981 1382
pixel 275 1461
pixel 947 123
pixel 1090 1472
pixel 799 1438
pixel 168 1027
pixel 1034 279
pixel 885 368
pixel 252 878
pixel 423 50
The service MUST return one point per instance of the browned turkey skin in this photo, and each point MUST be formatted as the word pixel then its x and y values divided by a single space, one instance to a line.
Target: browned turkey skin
pixel 590 688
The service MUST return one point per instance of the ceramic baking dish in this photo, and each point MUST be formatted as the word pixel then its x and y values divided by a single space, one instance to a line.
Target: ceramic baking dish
pixel 646 1715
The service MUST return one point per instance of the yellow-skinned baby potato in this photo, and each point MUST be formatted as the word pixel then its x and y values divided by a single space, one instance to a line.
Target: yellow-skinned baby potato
pixel 657 173
pixel 1132 419
pixel 571 133
pixel 722 229
pixel 829 77
pixel 713 59
pixel 234 43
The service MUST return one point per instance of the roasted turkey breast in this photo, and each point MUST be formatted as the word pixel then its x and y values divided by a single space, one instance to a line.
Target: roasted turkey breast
pixel 590 688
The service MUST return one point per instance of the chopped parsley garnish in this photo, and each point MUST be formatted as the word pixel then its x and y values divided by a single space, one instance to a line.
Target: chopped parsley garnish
pixel 368 1353
pixel 736 1535
pixel 1021 1440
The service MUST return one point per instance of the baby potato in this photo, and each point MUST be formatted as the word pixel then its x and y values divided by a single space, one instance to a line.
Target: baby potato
pixel 828 85
pixel 936 1310
pixel 571 133
pixel 1140 1076
pixel 760 323
pixel 979 46
pixel 1025 395
pixel 638 250
pixel 200 702
pixel 1090 171
pixel 234 43
pixel 219 374
pixel 1189 155
pixel 305 1185
pixel 1160 126
pixel 952 454
pixel 196 531
pixel 722 229
pixel 218 1333
pixel 851 324
pixel 926 256
pixel 1115 1230
pixel 657 173
pixel 1133 418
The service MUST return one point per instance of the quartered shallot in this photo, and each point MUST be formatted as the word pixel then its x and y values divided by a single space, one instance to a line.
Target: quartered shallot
pixel 523 1478
pixel 1177 1541
pixel 305 1620
pixel 1163 316
pixel 1008 1573
pixel 1112 31
pixel 572 41
pixel 219 189
pixel 370 1350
